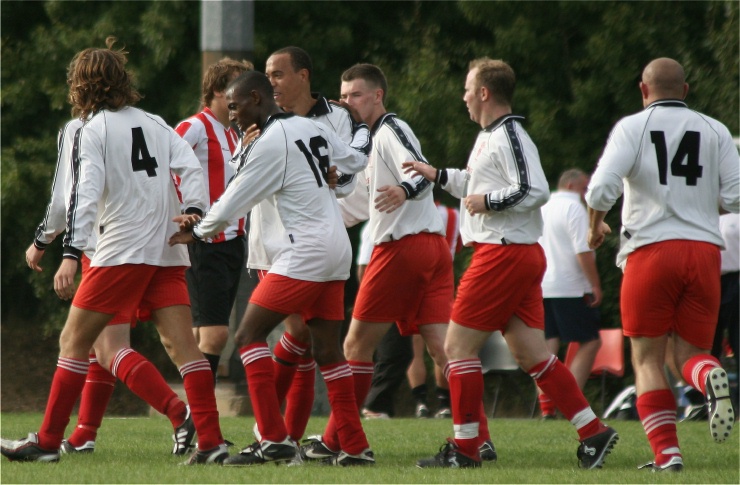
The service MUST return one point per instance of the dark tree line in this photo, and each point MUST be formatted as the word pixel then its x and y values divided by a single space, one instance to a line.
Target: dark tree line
pixel 577 63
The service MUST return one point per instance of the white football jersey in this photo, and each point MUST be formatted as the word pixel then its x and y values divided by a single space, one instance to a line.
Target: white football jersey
pixel 393 143
pixel 504 165
pixel 122 163
pixel 265 228
pixel 287 163
pixel 676 167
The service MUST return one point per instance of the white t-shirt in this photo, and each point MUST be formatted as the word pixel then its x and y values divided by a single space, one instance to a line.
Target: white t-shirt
pixel 393 144
pixel 505 166
pixel 565 234
pixel 729 226
pixel 265 227
pixel 676 166
pixel 122 163
pixel 365 248
pixel 286 163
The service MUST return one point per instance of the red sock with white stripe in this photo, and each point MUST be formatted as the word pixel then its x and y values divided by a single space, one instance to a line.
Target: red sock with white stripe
pixel 96 395
pixel 299 401
pixel 362 375
pixel 258 366
pixel 547 407
pixel 66 387
pixel 557 382
pixel 344 409
pixel 657 411
pixel 466 396
pixel 197 379
pixel 145 381
pixel 695 371
pixel 286 355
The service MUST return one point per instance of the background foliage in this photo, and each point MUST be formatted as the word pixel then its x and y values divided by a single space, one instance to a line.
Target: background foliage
pixel 578 64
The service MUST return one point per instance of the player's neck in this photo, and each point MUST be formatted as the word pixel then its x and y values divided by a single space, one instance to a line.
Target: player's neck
pixel 222 115
pixel 375 116
pixel 303 104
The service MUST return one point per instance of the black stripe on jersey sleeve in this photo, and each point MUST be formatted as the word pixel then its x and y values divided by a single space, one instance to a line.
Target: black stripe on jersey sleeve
pixel 415 185
pixel 522 171
pixel 70 251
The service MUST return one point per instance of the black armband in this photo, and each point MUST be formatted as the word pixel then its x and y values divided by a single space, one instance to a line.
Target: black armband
pixel 72 253
pixel 39 245
pixel 441 177
pixel 194 210
pixel 487 201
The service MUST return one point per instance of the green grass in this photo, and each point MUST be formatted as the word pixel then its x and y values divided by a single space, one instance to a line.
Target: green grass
pixel 136 450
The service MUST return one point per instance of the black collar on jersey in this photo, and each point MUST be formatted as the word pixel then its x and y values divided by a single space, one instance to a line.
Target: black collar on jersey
pixel 379 122
pixel 276 116
pixel 500 121
pixel 321 108
pixel 668 103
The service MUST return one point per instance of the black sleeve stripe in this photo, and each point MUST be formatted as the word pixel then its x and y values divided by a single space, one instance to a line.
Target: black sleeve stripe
pixel 42 227
pixel 72 211
pixel 522 171
pixel 417 184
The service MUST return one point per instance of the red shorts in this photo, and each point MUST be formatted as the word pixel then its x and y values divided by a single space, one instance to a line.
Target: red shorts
pixel 121 290
pixel 501 281
pixel 672 286
pixel 409 282
pixel 310 299
pixel 118 318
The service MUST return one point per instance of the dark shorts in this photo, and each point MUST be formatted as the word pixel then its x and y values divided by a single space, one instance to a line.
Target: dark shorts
pixel 213 279
pixel 571 319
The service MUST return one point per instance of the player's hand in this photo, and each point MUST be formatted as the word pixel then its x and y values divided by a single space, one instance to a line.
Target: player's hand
pixel 596 235
pixel 33 257
pixel 475 204
pixel 391 198
pixel 182 237
pixel 186 222
pixel 423 169
pixel 332 177
pixel 594 298
pixel 252 132
pixel 64 280
pixel 356 118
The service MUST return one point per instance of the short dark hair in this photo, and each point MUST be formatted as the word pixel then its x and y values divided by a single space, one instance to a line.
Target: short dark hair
pixel 497 76
pixel 299 58
pixel 219 74
pixel 98 79
pixel 252 81
pixel 370 73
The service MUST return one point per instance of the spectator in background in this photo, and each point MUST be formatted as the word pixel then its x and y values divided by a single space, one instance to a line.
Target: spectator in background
pixel 677 168
pixel 571 287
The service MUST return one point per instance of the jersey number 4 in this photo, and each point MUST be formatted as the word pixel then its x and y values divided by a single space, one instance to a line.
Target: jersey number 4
pixel 140 158
pixel 316 143
pixel 688 150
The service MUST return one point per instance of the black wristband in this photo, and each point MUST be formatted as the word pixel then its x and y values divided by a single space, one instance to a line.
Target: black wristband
pixel 39 245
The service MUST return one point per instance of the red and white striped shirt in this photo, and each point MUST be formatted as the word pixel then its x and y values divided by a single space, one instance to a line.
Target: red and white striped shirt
pixel 214 146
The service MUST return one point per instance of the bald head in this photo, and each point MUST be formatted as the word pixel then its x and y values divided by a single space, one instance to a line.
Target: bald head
pixel 664 78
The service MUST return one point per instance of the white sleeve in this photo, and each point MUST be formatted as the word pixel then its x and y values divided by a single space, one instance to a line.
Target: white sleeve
pixel 456 181
pixel 729 176
pixel 185 165
pixel 348 159
pixel 355 207
pixel 88 182
pixel 258 178
pixel 361 142
pixel 607 182
pixel 527 189
pixel 576 219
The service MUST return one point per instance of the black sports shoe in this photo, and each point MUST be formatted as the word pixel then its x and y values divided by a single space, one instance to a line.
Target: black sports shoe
pixel 209 457
pixel 488 451
pixel 675 465
pixel 263 452
pixel 315 449
pixel 721 414
pixel 184 435
pixel 592 451
pixel 422 411
pixel 345 459
pixel 27 449
pixel 448 457
pixel 68 448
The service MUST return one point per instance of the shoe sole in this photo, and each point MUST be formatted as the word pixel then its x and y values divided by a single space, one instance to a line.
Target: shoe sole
pixel 277 461
pixel 599 462
pixel 39 458
pixel 721 414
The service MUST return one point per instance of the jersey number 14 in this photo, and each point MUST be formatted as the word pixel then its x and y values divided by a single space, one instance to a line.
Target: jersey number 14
pixel 688 150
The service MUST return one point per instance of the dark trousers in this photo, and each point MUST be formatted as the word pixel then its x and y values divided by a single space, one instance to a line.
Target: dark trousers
pixel 392 358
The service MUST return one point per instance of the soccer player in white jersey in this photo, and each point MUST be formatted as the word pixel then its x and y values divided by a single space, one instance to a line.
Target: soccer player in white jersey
pixel 409 278
pixel 216 264
pixel 501 192
pixel 289 70
pixel 288 163
pixel 678 169
pixel 112 350
pixel 122 163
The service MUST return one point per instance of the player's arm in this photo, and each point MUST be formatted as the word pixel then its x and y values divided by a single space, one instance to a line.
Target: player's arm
pixel 729 176
pixel 355 207
pixel 452 180
pixel 186 166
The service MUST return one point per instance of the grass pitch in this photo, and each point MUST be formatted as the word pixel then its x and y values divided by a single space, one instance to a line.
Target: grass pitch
pixel 137 450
